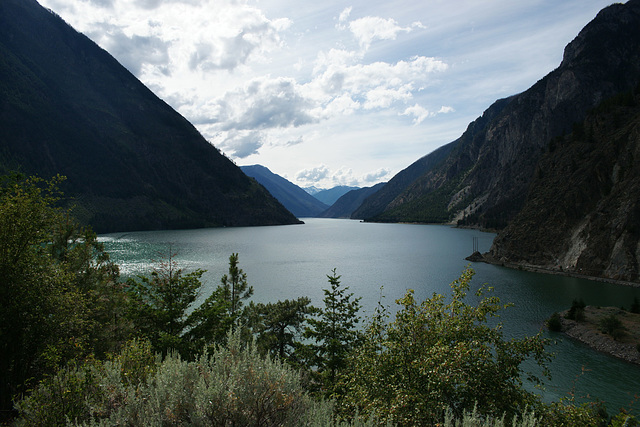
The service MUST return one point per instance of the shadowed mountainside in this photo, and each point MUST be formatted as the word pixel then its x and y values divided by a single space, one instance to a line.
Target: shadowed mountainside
pixel 132 162
pixel 294 198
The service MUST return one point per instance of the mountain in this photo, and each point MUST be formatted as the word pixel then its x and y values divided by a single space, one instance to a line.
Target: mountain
pixel 349 202
pixel 132 162
pixel 582 213
pixel 330 196
pixel 294 198
pixel 484 179
pixel 312 189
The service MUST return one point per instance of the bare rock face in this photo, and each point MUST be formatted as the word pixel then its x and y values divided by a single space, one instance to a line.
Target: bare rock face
pixel 494 161
pixel 582 213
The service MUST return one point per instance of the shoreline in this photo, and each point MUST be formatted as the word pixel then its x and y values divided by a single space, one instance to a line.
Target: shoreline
pixel 486 258
pixel 588 333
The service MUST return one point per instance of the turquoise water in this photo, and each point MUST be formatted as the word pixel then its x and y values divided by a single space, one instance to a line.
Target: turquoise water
pixel 379 262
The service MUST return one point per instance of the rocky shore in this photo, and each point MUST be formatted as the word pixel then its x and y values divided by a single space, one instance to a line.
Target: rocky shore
pixel 589 332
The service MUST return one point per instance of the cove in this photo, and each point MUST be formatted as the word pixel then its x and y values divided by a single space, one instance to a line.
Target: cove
pixel 379 262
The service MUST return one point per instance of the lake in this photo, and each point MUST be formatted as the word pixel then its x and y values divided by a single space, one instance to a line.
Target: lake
pixel 379 262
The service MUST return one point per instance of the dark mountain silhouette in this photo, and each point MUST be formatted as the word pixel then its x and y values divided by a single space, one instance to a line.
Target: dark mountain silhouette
pixel 131 161
pixel 331 195
pixel 349 202
pixel 294 198
pixel 483 181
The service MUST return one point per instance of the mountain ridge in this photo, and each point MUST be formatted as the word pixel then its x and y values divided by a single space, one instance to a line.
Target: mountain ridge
pixel 484 181
pixel 131 161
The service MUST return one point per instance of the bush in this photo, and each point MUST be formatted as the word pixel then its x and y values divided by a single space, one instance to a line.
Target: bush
pixel 437 356
pixel 554 323
pixel 576 312
pixel 612 325
pixel 231 386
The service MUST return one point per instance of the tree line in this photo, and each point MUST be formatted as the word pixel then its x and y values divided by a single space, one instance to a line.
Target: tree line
pixel 80 344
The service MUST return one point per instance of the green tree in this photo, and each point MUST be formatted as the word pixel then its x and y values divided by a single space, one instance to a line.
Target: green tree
pixel 59 292
pixel 334 332
pixel 437 356
pixel 279 325
pixel 235 286
pixel 159 304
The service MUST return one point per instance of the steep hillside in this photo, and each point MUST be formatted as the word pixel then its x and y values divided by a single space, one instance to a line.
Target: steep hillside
pixel 294 198
pixel 582 213
pixel 132 162
pixel 484 180
pixel 348 203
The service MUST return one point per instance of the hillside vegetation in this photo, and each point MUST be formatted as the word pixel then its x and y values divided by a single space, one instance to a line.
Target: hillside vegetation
pixel 81 345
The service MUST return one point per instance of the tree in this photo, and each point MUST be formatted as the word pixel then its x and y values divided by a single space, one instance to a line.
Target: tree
pixel 159 304
pixel 235 286
pixel 279 324
pixel 437 356
pixel 59 291
pixel 334 332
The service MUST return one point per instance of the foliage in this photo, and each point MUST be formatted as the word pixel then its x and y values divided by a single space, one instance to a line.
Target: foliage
pixel 234 385
pixel 159 303
pixel 612 325
pixel 437 356
pixel 576 312
pixel 235 286
pixel 279 325
pixel 59 295
pixel 554 323
pixel 334 333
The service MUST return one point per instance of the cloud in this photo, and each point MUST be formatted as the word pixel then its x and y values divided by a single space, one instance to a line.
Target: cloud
pixel 240 144
pixel 135 51
pixel 420 113
pixel 251 34
pixel 376 176
pixel 265 103
pixel 371 28
pixel 315 174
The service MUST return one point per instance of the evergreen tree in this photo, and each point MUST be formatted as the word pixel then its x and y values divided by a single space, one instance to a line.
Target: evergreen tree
pixel 159 304
pixel 235 287
pixel 334 332
pixel 279 324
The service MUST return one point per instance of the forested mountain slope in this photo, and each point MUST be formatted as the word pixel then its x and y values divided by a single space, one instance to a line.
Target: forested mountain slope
pixel 131 161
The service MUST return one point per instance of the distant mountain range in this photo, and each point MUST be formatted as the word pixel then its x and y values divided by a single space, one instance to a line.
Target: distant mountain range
pixel 294 198
pixel 131 161
pixel 344 200
pixel 566 185
pixel 331 195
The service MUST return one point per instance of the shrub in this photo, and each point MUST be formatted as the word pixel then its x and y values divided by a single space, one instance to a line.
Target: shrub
pixel 554 323
pixel 576 312
pixel 437 356
pixel 612 325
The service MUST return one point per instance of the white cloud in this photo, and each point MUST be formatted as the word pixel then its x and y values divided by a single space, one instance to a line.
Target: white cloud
pixel 265 103
pixel 376 176
pixel 240 144
pixel 371 28
pixel 315 174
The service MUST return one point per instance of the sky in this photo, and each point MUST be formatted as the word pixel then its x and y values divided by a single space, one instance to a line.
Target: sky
pixel 328 93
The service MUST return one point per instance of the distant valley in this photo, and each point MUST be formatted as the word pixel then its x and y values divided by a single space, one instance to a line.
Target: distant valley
pixel 554 169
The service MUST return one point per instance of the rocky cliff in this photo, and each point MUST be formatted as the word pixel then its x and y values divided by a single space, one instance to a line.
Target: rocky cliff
pixel 582 212
pixel 484 179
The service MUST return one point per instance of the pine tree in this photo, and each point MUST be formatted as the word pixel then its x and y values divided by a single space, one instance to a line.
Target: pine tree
pixel 334 332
